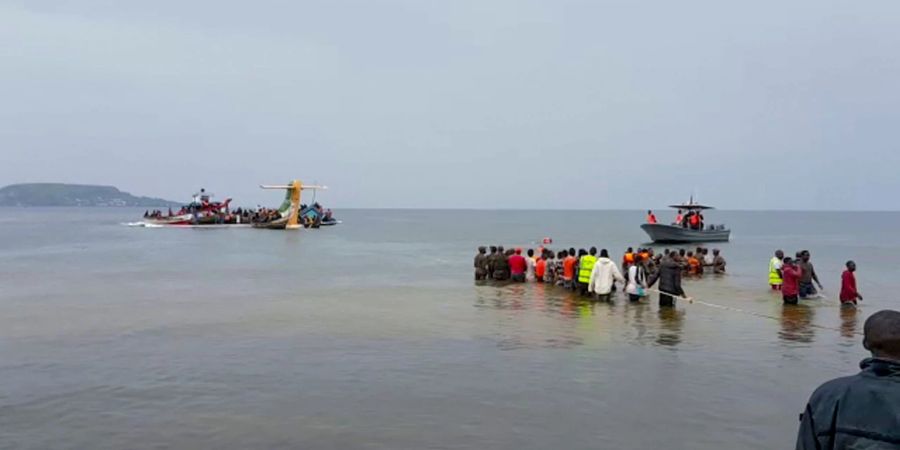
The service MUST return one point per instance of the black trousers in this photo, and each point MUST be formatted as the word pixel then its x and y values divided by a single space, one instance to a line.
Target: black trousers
pixel 666 301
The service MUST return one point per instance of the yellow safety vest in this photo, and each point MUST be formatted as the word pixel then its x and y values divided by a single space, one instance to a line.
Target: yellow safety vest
pixel 585 267
pixel 774 278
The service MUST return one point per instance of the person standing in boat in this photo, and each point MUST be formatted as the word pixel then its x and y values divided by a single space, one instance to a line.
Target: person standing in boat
pixel 679 219
pixel 651 218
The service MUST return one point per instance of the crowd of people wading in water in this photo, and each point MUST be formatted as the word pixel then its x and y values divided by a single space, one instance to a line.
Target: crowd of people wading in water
pixel 860 411
pixel 594 275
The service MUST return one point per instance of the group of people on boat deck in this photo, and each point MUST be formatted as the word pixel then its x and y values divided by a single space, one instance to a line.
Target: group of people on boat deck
pixel 596 275
pixel 794 277
pixel 693 219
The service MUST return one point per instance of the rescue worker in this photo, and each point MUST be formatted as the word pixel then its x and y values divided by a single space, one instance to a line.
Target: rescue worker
pixel 480 265
pixel 790 287
pixel 529 266
pixel 651 218
pixel 568 276
pixel 809 275
pixel 489 262
pixel 603 274
pixel 501 265
pixel 679 219
pixel 669 277
pixel 860 411
pixel 849 294
pixel 517 266
pixel 775 277
pixel 636 280
pixel 540 267
pixel 718 262
pixel 585 266
pixel 628 258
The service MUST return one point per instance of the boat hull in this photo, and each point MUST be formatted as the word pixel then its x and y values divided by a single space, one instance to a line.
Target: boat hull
pixel 675 234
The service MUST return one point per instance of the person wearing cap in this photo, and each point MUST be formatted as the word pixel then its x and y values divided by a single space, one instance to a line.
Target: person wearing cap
pixel 860 411
pixel 481 264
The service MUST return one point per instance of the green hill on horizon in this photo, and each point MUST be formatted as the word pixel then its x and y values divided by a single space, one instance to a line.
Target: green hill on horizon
pixel 62 194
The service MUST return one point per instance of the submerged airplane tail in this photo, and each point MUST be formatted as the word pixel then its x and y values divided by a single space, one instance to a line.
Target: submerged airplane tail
pixel 290 207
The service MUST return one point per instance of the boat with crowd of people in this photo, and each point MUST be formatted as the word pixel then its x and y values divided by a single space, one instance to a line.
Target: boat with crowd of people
pixel 689 226
pixel 203 212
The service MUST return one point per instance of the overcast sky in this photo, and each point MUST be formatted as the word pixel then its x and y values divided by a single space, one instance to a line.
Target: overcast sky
pixel 484 103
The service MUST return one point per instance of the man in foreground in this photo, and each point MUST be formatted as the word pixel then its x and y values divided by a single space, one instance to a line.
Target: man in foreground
pixel 861 411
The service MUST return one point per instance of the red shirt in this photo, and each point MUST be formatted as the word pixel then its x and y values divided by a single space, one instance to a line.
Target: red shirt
pixel 791 285
pixel 517 264
pixel 651 218
pixel 848 287
pixel 540 268
pixel 569 267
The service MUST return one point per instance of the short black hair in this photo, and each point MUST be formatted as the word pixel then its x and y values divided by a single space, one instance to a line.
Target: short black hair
pixel 604 253
pixel 882 333
pixel 593 251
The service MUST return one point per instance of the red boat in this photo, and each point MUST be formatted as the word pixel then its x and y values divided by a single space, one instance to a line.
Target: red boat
pixel 202 211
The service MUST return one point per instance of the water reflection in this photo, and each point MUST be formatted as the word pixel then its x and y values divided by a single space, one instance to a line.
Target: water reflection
pixel 796 321
pixel 671 323
pixel 849 322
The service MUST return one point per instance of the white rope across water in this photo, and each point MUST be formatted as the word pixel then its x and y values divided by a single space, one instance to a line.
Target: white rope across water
pixel 739 310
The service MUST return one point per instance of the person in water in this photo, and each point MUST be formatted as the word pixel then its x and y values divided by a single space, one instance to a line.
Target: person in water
pixel 569 262
pixel 501 265
pixel 860 411
pixel 540 267
pixel 585 266
pixel 718 262
pixel 775 264
pixel 529 266
pixel 669 277
pixel 849 294
pixel 480 264
pixel 651 218
pixel 517 266
pixel 604 273
pixel 636 280
pixel 790 287
pixel 489 262
pixel 809 275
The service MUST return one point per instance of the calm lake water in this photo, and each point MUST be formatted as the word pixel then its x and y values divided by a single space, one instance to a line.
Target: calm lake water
pixel 373 335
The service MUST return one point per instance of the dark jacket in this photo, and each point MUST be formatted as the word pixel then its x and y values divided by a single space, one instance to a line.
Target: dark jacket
pixel 857 412
pixel 669 276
